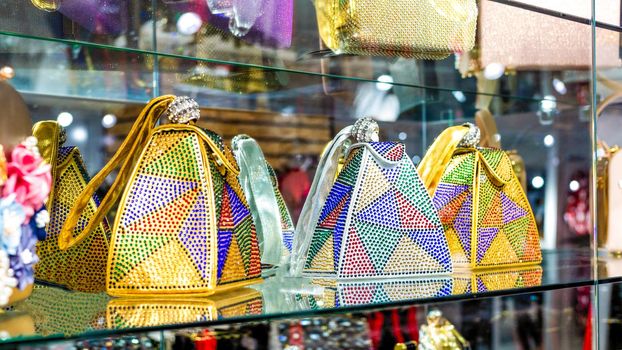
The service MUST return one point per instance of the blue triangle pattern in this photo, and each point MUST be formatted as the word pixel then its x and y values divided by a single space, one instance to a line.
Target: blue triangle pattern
pixel 338 232
pixel 337 193
pixel 224 242
pixel 376 212
pixel 428 241
pixel 238 209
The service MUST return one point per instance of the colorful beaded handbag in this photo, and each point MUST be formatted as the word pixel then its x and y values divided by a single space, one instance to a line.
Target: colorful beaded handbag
pixel 486 215
pixel 275 229
pixel 183 225
pixel 83 266
pixel 376 221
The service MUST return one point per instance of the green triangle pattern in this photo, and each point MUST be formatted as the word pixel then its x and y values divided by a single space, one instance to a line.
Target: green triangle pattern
pixel 350 172
pixel 463 173
pixel 127 258
pixel 379 242
pixel 320 237
pixel 179 161
pixel 514 227
pixel 242 236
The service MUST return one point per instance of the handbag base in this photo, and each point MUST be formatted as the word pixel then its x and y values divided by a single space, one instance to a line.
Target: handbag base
pixel 218 289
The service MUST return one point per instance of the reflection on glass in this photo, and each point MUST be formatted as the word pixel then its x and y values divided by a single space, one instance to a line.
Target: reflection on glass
pixel 47 5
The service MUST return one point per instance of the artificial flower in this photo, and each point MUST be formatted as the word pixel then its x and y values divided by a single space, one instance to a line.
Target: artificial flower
pixel 12 216
pixel 41 219
pixel 22 263
pixel 28 177
pixel 7 281
pixel 2 166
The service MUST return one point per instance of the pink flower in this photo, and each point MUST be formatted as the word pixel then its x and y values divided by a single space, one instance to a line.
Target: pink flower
pixel 28 178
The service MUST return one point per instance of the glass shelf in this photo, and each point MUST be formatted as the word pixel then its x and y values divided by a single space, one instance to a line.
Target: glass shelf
pixel 144 42
pixel 51 313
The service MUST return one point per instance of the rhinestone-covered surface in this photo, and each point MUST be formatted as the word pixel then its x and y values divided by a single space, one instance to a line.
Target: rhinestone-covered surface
pixel 162 240
pixel 378 221
pixel 287 225
pixel 57 311
pixel 494 279
pixel 132 312
pixel 83 266
pixel 505 232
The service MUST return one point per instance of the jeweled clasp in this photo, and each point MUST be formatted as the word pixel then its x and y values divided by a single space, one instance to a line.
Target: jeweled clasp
pixel 183 110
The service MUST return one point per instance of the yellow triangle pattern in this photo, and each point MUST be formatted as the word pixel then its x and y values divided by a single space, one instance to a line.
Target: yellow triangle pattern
pixel 323 260
pixel 159 270
pixel 500 250
pixel 498 281
pixel 413 289
pixel 409 257
pixel 234 266
pixel 458 255
pixel 461 285
pixel 377 184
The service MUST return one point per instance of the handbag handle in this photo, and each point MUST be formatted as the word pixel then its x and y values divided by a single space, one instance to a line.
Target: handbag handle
pixel 125 159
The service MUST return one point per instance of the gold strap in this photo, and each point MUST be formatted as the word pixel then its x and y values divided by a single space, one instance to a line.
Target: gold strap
pixel 439 155
pixel 125 157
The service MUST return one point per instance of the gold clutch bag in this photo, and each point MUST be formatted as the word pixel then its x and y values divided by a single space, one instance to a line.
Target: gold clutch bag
pixel 83 266
pixel 429 29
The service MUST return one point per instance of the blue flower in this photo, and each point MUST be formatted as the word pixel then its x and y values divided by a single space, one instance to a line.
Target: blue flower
pixel 23 261
pixel 12 216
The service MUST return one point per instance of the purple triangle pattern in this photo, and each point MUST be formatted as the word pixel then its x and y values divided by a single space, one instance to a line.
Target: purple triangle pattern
pixel 238 209
pixel 375 213
pixel 485 236
pixel 481 287
pixel 445 193
pixel 224 242
pixel 382 147
pixel 141 200
pixel 511 211
pixel 193 235
pixel 338 232
pixel 337 193
pixel 463 225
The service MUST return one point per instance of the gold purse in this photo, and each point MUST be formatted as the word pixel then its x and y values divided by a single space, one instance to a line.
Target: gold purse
pixel 428 29
pixel 83 266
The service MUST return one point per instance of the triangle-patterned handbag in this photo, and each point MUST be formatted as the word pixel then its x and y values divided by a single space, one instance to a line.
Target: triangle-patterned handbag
pixel 183 225
pixel 486 215
pixel 377 219
pixel 275 229
pixel 83 266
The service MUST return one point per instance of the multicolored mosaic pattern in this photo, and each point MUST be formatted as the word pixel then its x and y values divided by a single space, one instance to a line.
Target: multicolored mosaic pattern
pixel 83 266
pixel 498 279
pixel 182 227
pixel 505 231
pixel 378 220
pixel 287 225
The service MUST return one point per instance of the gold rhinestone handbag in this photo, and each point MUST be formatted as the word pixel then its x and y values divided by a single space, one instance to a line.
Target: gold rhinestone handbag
pixel 83 266
pixel 183 225
pixel 428 29
pixel 487 218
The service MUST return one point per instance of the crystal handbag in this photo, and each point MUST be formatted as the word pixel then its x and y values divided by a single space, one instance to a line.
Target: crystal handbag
pixel 430 29
pixel 275 229
pixel 124 313
pixel 519 39
pixel 486 215
pixel 183 225
pixel 377 220
pixel 83 266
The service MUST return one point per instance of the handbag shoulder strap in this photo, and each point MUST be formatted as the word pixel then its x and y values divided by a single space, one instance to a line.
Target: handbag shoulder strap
pixel 124 159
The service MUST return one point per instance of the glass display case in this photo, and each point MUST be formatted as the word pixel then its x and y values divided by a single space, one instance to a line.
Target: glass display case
pixel 547 71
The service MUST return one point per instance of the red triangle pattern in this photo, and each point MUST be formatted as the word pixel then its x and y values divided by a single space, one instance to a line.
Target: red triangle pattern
pixel 358 294
pixel 356 261
pixel 164 220
pixel 448 213
pixel 410 216
pixel 331 219
pixel 226 215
